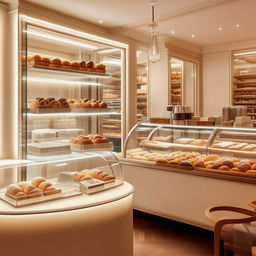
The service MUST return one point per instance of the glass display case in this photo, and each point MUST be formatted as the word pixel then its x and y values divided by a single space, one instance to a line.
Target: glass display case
pixel 71 86
pixel 36 182
pixel 183 83
pixel 244 80
pixel 219 150
pixel 142 85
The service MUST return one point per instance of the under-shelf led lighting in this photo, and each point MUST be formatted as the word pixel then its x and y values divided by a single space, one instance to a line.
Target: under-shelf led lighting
pixel 244 53
pixel 73 31
pixel 173 32
pixel 72 114
pixel 106 51
pixel 57 81
pixel 60 39
pixel 112 62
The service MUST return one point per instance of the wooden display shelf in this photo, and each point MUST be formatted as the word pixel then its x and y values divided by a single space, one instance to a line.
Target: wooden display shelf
pixel 249 103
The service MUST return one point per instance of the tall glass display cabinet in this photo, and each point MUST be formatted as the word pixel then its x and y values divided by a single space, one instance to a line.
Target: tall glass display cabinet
pixel 72 87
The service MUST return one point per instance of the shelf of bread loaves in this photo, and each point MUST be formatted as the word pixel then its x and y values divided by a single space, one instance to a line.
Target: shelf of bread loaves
pixel 65 66
pixel 212 163
pixel 52 105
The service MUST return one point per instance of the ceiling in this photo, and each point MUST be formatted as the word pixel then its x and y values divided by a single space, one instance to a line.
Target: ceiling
pixel 201 18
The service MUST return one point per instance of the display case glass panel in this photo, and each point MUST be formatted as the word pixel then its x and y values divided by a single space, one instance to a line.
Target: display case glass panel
pixel 219 150
pixel 37 182
pixel 142 85
pixel 244 80
pixel 72 86
pixel 182 83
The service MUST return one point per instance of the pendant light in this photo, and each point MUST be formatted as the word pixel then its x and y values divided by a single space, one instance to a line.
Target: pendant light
pixel 154 54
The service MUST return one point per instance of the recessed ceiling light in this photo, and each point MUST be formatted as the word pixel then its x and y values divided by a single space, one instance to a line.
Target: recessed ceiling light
pixel 100 21
pixel 220 28
pixel 193 35
pixel 237 25
pixel 173 31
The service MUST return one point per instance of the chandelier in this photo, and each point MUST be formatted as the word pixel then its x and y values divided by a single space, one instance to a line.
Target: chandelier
pixel 154 54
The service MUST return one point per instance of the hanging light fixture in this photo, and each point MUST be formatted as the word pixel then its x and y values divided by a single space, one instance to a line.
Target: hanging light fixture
pixel 154 54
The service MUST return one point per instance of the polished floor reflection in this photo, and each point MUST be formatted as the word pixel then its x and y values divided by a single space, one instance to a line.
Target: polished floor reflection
pixel 156 236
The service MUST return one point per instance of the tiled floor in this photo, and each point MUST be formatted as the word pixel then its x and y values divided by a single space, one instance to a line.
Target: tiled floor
pixel 155 236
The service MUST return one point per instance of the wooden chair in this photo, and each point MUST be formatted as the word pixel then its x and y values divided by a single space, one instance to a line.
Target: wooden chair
pixel 223 239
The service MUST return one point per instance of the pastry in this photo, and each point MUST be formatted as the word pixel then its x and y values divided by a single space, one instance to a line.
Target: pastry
pixel 199 164
pixel 35 193
pixel 75 65
pixel 97 141
pixel 186 163
pixel 238 146
pixel 28 189
pixel 95 104
pixel 55 63
pixel 102 175
pixel 235 169
pixel 13 189
pixel 250 147
pixel 198 142
pixel 36 59
pixel 253 167
pixel 224 168
pixel 66 64
pixel 211 157
pixel 45 62
pixel 55 104
pixel 223 145
pixel 95 174
pixel 82 66
pixel 228 163
pixel 108 177
pixel 37 180
pixel 51 190
pixel 243 167
pixel 217 166
pixel 103 104
pixel 90 65
pixel 251 171
pixel 44 185
pixel 22 185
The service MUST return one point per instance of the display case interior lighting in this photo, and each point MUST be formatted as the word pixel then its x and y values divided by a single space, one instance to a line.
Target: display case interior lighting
pixel 107 51
pixel 112 62
pixel 62 40
pixel 57 81
pixel 72 31
pixel 244 53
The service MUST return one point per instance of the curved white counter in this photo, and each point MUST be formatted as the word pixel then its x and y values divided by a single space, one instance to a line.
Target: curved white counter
pixel 95 225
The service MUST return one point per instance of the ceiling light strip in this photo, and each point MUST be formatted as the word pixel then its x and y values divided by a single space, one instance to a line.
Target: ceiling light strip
pixel 73 31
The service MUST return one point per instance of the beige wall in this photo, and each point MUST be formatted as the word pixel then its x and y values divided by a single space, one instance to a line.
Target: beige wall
pixel 216 82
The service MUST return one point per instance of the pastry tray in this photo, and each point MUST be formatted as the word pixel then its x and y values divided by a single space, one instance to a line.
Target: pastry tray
pixel 70 70
pixel 91 110
pixel 101 186
pixel 232 173
pixel 42 198
pixel 175 166
pixel 89 147
pixel 48 110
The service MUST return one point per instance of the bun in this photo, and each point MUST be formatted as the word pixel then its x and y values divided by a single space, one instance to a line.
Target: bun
pixel 224 168
pixel 55 63
pixel 199 164
pixel 13 189
pixel 55 104
pixel 45 61
pixel 254 166
pixel 37 180
pixel 28 189
pixel 75 65
pixel 103 105
pixel 186 163
pixel 22 185
pixel 162 161
pixel 235 169
pixel 95 105
pixel 216 166
pixel 90 64
pixel 108 177
pixel 228 163
pixel 35 193
pixel 243 167
pixel 66 64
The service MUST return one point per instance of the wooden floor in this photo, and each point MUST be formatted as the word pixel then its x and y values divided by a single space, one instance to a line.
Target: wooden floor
pixel 156 236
